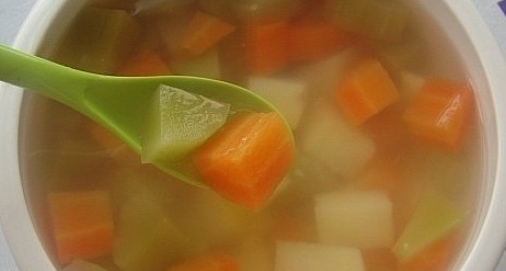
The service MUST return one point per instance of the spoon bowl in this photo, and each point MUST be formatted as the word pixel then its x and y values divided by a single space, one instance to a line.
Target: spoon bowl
pixel 117 103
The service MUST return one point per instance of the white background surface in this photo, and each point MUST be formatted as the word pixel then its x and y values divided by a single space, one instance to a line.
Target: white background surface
pixel 13 13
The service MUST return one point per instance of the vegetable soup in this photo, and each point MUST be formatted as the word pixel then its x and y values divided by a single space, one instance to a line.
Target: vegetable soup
pixel 384 173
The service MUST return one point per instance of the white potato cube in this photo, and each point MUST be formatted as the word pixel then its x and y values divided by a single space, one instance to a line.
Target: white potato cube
pixel 361 219
pixel 322 76
pixel 330 139
pixel 287 95
pixel 293 256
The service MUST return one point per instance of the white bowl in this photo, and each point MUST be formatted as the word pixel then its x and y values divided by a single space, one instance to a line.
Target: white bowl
pixel 458 19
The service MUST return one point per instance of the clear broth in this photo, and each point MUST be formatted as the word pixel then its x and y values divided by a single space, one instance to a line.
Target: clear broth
pixel 60 154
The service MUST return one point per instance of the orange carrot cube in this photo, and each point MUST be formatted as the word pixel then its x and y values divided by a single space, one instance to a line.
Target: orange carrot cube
pixel 366 90
pixel 203 32
pixel 313 39
pixel 266 47
pixel 436 257
pixel 246 160
pixel 440 114
pixel 82 224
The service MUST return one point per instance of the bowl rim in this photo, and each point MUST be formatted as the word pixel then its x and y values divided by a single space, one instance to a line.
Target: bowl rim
pixel 26 248
pixel 490 241
pixel 22 238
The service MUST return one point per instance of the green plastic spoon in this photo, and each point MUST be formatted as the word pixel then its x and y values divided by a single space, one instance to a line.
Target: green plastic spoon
pixel 116 102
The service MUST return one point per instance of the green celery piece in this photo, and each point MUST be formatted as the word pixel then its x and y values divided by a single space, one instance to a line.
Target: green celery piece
pixel 99 40
pixel 381 20
pixel 179 122
pixel 434 217
pixel 147 238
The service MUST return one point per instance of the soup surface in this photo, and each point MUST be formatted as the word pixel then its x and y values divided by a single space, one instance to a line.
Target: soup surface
pixel 387 160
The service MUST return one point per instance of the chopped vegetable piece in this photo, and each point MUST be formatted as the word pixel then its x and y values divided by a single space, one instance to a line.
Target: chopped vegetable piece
pixel 212 261
pixel 204 32
pixel 440 113
pixel 100 40
pixel 287 95
pixel 331 140
pixel 266 47
pixel 214 220
pixel 246 160
pixel 147 238
pixel 82 224
pixel 408 54
pixel 436 257
pixel 366 90
pixel 435 218
pixel 344 218
pixel 311 40
pixel 80 265
pixel 145 63
pixel 382 20
pixel 291 256
pixel 322 75
pixel 178 122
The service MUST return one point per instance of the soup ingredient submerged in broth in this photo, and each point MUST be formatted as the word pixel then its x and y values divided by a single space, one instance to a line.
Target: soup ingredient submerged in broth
pixel 374 159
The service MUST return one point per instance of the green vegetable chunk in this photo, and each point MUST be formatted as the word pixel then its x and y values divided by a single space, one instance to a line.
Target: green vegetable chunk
pixel 100 40
pixel 179 122
pixel 379 20
pixel 147 237
pixel 434 218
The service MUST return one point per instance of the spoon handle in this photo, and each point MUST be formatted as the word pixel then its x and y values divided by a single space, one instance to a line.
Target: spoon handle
pixel 36 74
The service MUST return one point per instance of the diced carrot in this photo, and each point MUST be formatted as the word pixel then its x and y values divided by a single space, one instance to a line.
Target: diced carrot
pixel 246 160
pixel 146 62
pixel 266 47
pixel 212 261
pixel 366 90
pixel 311 40
pixel 440 114
pixel 436 257
pixel 203 32
pixel 82 224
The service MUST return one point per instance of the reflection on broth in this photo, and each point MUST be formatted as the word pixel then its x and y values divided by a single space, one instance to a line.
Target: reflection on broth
pixel 387 160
